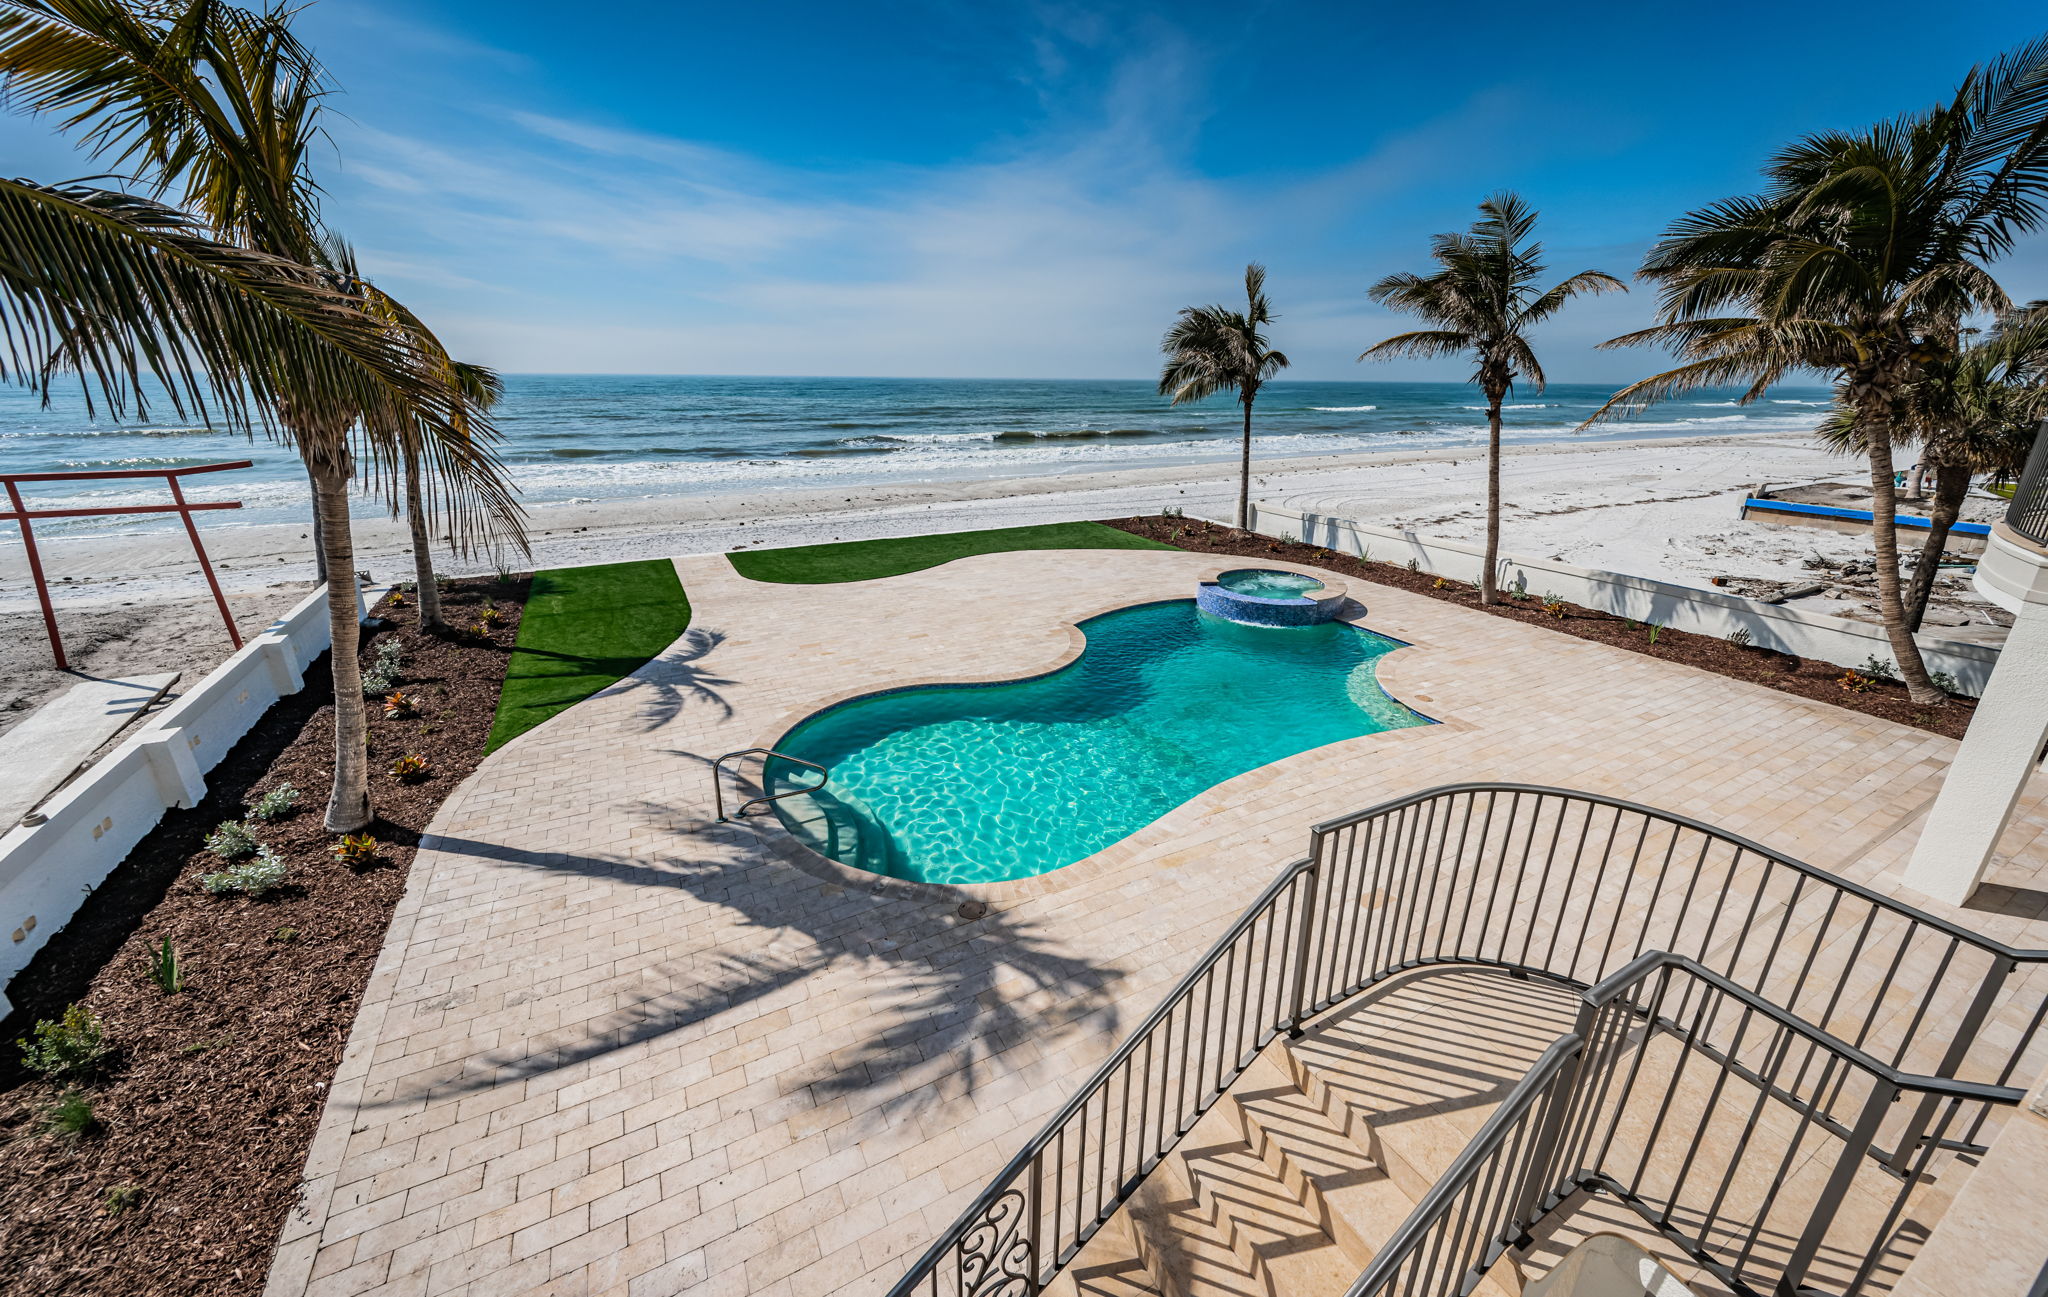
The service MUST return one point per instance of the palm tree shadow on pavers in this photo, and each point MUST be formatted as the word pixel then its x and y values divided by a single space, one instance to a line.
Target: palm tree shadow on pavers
pixel 962 991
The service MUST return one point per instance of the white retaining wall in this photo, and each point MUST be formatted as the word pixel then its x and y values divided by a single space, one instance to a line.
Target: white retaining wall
pixel 47 870
pixel 1704 612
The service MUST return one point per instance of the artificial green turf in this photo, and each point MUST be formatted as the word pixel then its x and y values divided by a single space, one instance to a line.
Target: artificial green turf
pixel 864 560
pixel 585 628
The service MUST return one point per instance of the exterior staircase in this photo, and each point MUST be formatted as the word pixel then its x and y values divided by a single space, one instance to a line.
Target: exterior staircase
pixel 1483 1025
pixel 1291 1183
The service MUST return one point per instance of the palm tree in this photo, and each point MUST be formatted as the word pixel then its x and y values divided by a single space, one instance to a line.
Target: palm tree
pixel 224 104
pixel 1484 300
pixel 118 288
pixel 1973 410
pixel 1213 349
pixel 1859 261
pixel 476 389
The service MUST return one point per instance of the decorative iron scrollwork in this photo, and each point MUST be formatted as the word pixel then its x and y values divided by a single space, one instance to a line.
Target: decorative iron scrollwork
pixel 996 1255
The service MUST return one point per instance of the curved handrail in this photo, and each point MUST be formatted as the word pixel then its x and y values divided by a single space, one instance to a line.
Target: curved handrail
pixel 1945 926
pixel 718 789
pixel 1523 1164
pixel 1481 874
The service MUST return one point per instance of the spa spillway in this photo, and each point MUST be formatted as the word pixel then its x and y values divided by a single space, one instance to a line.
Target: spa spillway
pixel 1263 596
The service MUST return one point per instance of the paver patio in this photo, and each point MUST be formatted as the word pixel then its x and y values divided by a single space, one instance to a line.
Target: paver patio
pixel 613 1047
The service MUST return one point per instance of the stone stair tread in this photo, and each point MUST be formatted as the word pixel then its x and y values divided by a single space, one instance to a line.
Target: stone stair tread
pixel 1422 1063
pixel 1214 1220
pixel 1108 1265
pixel 1331 1170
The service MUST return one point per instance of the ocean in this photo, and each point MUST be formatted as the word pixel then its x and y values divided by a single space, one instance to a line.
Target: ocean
pixel 600 437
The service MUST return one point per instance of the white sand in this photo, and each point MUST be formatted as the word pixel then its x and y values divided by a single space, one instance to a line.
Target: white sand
pixel 1663 508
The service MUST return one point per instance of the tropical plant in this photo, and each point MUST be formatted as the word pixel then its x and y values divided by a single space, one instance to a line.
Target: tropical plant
pixel 1972 410
pixel 275 804
pixel 411 768
pixel 166 969
pixel 355 848
pixel 232 840
pixel 70 1046
pixel 224 105
pixel 265 872
pixel 1483 300
pixel 1859 261
pixel 71 1116
pixel 1213 349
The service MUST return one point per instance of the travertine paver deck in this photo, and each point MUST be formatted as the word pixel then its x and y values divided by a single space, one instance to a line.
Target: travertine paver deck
pixel 612 1047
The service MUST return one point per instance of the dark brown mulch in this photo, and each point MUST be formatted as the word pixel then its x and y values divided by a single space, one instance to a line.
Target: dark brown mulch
pixel 210 1101
pixel 1807 677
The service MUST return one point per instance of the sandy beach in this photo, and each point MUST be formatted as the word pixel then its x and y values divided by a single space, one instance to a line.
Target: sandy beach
pixel 1664 508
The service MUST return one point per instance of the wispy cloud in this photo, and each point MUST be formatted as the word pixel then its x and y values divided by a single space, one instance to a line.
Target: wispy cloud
pixel 1065 253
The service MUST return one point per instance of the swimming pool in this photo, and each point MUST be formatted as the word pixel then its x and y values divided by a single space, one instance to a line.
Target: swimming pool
pixel 982 783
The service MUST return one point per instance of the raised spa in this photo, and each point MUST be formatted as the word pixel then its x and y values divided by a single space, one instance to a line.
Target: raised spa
pixel 1264 596
pixel 981 783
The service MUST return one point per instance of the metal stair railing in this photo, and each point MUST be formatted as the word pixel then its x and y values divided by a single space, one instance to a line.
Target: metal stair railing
pixel 766 797
pixel 1539 882
pixel 1702 1139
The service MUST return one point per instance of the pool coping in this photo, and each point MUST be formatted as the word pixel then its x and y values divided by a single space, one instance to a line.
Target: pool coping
pixel 774 836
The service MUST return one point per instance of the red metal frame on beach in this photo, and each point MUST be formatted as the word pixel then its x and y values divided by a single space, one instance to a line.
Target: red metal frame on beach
pixel 19 512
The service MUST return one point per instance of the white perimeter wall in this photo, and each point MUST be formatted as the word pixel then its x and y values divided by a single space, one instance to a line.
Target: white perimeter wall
pixel 1704 612
pixel 46 871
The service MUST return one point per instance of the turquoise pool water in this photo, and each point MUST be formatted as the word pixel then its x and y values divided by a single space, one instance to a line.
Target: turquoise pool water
pixel 983 783
pixel 1264 583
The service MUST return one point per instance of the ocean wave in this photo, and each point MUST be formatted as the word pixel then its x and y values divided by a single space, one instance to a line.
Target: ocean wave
pixel 1343 409
pixel 1533 405
pixel 1779 401
pixel 1067 434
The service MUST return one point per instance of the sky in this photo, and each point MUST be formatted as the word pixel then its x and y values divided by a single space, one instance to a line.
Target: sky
pixel 979 188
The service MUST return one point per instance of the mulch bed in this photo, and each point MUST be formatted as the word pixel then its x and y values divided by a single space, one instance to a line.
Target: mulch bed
pixel 210 1100
pixel 1807 677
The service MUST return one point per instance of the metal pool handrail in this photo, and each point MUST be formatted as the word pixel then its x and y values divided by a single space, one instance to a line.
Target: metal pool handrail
pixel 1562 1129
pixel 1480 875
pixel 718 789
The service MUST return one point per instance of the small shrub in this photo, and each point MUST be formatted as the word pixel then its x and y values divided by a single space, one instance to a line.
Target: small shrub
pixel 397 599
pixel 504 576
pixel 71 1116
pixel 411 768
pixel 71 1046
pixel 1945 682
pixel 1553 605
pixel 398 707
pixel 276 804
pixel 1173 511
pixel 1855 683
pixel 266 873
pixel 1654 630
pixel 233 841
pixel 386 670
pixel 355 848
pixel 490 616
pixel 1739 637
pixel 1878 668
pixel 284 936
pixel 1414 565
pixel 1439 584
pixel 120 1198
pixel 165 969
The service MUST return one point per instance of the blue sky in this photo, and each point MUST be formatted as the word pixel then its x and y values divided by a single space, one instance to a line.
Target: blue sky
pixel 998 189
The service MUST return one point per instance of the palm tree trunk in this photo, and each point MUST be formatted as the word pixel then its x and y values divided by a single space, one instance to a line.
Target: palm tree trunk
pixel 1487 592
pixel 1951 484
pixel 319 541
pixel 1884 537
pixel 348 806
pixel 1244 471
pixel 426 590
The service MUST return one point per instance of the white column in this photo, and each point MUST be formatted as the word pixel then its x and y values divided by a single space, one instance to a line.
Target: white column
pixel 1999 752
